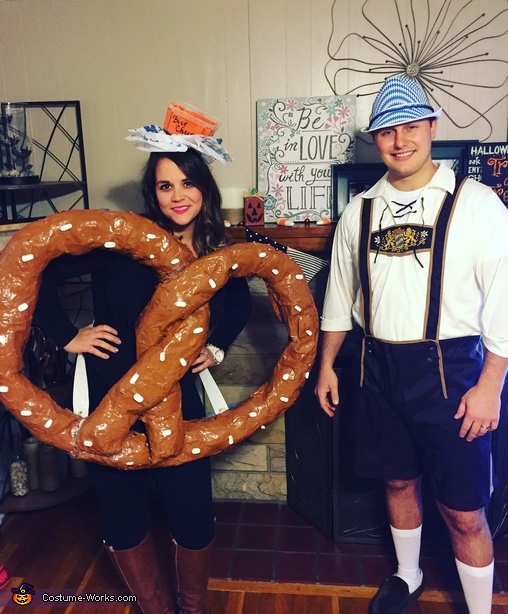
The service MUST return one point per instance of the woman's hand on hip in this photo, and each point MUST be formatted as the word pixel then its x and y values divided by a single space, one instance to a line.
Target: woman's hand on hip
pixel 94 339
pixel 203 361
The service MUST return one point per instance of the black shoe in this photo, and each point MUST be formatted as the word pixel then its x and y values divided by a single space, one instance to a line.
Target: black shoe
pixel 393 596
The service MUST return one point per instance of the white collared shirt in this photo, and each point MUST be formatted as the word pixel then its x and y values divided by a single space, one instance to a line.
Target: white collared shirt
pixel 475 287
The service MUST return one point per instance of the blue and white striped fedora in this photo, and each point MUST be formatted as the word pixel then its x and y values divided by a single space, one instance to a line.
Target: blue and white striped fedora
pixel 400 100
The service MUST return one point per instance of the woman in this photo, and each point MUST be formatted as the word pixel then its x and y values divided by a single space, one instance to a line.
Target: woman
pixel 180 195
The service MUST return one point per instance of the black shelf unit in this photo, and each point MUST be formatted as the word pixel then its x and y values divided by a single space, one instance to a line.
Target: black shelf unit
pixel 56 132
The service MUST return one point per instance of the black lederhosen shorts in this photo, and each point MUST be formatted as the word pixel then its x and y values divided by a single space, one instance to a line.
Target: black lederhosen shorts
pixel 406 425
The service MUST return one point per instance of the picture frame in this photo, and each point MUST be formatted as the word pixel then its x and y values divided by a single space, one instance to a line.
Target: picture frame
pixel 350 179
pixel 453 153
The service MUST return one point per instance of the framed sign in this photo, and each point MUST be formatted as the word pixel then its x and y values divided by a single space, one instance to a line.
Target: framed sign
pixel 298 139
pixel 488 163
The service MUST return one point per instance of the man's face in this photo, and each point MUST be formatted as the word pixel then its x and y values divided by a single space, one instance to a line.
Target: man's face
pixel 405 150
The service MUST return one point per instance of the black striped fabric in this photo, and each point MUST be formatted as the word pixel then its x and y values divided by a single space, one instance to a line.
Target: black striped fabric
pixel 310 265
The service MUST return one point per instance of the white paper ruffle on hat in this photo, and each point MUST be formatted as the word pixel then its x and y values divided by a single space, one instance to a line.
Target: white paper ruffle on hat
pixel 153 138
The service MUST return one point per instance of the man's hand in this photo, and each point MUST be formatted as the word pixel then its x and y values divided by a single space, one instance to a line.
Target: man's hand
pixel 327 385
pixel 327 390
pixel 480 407
pixel 92 339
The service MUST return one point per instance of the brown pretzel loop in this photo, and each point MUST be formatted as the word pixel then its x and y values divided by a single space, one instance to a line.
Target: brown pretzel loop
pixel 170 334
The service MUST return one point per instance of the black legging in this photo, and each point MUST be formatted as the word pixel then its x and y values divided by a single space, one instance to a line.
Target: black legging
pixel 185 491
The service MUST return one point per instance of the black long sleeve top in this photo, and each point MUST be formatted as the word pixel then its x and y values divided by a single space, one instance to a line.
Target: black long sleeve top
pixel 121 289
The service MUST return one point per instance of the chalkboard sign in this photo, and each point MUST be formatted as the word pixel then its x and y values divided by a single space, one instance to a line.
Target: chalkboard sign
pixel 298 140
pixel 488 163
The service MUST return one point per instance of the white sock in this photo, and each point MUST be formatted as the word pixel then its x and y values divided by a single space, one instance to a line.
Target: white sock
pixel 477 585
pixel 407 548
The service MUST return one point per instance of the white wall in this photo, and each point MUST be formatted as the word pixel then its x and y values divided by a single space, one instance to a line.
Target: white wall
pixel 125 59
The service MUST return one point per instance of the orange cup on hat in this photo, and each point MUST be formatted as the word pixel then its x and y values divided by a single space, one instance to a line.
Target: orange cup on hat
pixel 182 118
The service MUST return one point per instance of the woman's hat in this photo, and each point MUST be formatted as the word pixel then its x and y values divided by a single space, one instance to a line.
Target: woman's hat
pixel 400 100
pixel 184 127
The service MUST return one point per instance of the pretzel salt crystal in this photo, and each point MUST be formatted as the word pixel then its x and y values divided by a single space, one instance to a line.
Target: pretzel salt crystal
pixel 170 333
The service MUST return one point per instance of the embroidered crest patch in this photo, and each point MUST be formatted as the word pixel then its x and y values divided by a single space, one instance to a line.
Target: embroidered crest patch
pixel 401 239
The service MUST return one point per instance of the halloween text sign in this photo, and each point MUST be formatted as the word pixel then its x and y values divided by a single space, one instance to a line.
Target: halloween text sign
pixel 488 163
pixel 298 139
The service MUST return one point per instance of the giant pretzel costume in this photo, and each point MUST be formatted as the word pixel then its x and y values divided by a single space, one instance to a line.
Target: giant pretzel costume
pixel 170 333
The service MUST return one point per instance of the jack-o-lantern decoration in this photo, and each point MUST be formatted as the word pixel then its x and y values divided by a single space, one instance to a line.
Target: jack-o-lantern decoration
pixel 254 210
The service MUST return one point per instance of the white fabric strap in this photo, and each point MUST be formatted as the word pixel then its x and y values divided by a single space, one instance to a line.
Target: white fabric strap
pixel 213 392
pixel 80 401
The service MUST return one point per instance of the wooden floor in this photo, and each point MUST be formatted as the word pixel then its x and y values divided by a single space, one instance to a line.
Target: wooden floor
pixel 58 550
pixel 229 597
pixel 237 597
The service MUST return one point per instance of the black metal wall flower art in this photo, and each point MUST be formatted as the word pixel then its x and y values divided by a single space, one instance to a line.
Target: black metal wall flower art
pixel 440 44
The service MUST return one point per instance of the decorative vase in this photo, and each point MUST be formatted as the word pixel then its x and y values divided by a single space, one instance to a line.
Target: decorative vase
pixel 16 164
pixel 31 449
pixel 18 471
pixel 49 468
pixel 78 468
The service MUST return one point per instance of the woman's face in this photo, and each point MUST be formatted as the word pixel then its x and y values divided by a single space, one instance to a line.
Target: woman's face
pixel 179 199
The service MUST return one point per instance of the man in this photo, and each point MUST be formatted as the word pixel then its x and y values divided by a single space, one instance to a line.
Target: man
pixel 420 263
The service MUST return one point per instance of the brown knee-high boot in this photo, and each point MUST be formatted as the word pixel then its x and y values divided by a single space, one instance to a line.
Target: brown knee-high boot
pixel 140 572
pixel 192 573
